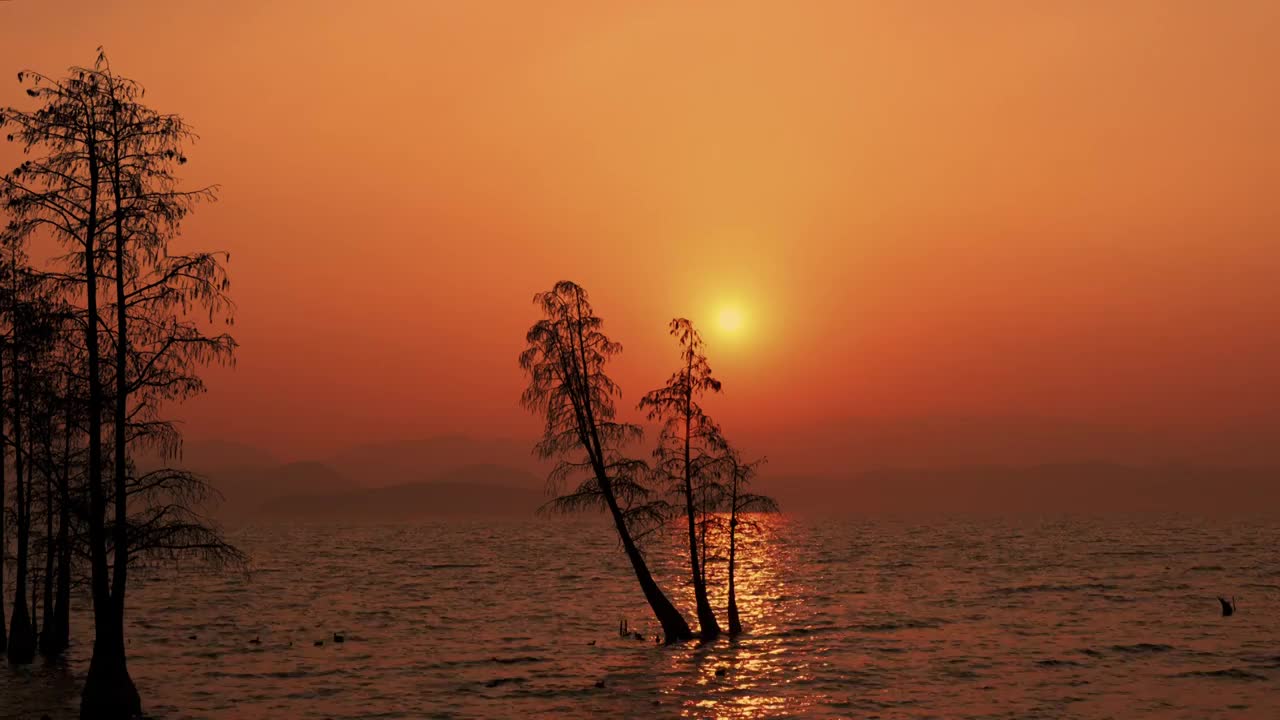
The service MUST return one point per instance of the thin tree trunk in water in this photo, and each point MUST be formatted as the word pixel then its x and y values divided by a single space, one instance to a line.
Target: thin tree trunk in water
pixel 4 537
pixel 22 640
pixel 109 692
pixel 674 626
pixel 735 623
pixel 47 620
pixel 35 579
pixel 60 637
pixel 120 541
pixel 708 627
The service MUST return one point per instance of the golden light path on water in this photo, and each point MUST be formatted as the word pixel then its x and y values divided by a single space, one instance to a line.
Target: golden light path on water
pixel 745 677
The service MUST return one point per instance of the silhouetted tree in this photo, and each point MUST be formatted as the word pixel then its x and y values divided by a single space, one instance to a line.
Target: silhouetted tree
pixel 69 466
pixel 740 503
pixel 59 460
pixel 103 186
pixel 26 339
pixel 685 454
pixel 565 363
pixel 4 508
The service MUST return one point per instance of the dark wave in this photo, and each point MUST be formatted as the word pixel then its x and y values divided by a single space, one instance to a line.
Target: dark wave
pixel 1229 674
pixel 1142 648
pixel 1046 587
pixel 1056 662
pixel 517 660
pixel 901 625
pixel 496 682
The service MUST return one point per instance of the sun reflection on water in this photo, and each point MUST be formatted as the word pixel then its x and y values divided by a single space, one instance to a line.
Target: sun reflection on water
pixel 748 676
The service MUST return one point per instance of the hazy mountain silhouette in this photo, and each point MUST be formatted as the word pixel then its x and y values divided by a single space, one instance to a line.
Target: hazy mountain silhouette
pixel 1045 488
pixel 245 489
pixel 475 491
pixel 854 466
pixel 399 462
pixel 211 456
pixel 858 444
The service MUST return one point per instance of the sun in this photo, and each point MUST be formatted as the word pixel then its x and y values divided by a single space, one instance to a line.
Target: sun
pixel 731 319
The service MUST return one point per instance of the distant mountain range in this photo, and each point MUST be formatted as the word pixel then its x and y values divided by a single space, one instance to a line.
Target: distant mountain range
pixel 459 476
pixel 398 462
pixel 472 491
pixel 246 489
pixel 1046 488
pixel 450 475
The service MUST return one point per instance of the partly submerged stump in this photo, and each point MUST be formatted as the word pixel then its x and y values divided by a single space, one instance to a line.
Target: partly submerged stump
pixel 1228 608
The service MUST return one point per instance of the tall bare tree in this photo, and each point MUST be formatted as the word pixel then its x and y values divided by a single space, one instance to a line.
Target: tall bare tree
pixel 685 452
pixel 565 360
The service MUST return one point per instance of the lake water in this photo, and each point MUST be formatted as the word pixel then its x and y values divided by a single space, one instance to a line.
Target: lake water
pixel 909 618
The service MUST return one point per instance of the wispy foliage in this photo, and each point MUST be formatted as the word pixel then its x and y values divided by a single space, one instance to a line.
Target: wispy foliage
pixel 565 362
pixel 565 359
pixel 99 178
pixel 686 458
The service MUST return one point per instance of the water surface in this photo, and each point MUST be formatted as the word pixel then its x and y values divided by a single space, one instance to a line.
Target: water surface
pixel 890 618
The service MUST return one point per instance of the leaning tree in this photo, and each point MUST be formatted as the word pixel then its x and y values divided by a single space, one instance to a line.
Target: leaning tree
pixel 565 360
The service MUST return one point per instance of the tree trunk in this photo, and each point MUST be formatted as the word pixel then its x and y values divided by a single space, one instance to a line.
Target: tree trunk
pixel 4 536
pixel 31 499
pixel 22 639
pixel 120 539
pixel 109 692
pixel 60 637
pixel 47 621
pixel 708 627
pixel 674 626
pixel 735 623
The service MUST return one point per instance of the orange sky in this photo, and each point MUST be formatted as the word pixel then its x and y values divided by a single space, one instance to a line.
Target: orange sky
pixel 1058 210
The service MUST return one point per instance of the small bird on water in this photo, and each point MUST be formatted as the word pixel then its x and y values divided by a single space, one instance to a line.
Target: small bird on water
pixel 1228 608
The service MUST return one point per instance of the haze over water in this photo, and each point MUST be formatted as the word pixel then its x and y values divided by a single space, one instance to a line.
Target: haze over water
pixel 893 618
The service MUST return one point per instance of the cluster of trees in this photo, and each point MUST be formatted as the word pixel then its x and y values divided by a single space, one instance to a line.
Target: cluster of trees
pixel 97 336
pixel 698 480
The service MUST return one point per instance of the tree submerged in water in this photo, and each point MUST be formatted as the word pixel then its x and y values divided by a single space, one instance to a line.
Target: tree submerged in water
pixel 565 362
pixel 740 505
pixel 686 462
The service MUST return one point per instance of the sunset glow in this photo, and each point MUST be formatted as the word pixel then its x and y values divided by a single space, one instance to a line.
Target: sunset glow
pixel 972 182
pixel 892 359
pixel 731 320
